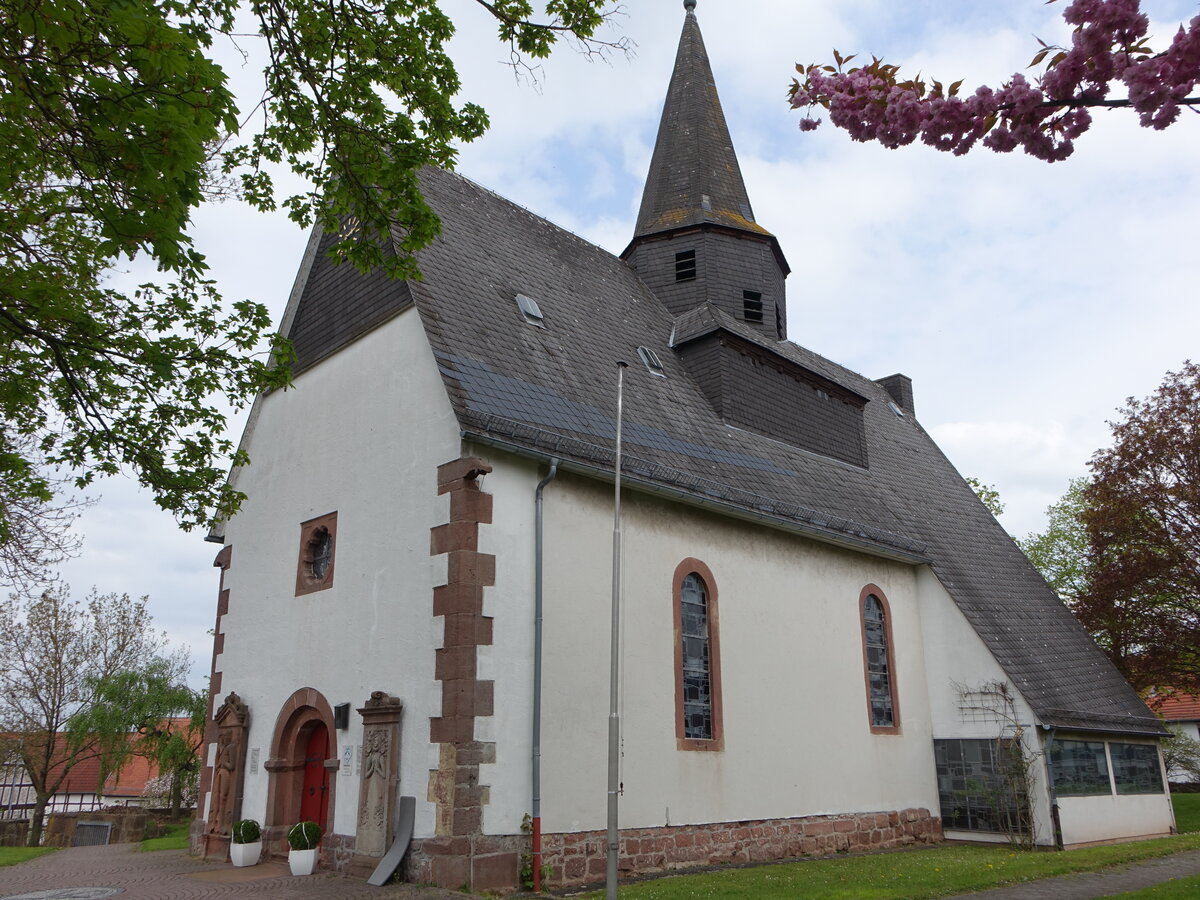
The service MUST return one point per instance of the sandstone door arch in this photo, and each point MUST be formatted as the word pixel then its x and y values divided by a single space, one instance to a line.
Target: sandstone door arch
pixel 303 756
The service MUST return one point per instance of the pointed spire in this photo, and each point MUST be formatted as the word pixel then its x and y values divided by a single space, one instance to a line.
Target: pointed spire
pixel 694 175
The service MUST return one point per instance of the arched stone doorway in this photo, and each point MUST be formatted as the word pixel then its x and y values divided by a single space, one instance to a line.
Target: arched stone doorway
pixel 302 764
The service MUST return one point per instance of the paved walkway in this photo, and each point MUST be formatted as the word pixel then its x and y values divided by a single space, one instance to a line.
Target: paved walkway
pixel 122 872
pixel 1105 883
pixel 83 873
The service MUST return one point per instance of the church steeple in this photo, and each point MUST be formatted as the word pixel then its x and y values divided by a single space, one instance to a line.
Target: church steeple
pixel 695 196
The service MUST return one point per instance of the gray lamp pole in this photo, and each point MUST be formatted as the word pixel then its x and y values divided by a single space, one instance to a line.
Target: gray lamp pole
pixel 614 716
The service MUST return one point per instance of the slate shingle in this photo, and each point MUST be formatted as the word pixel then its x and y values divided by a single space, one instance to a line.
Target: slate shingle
pixel 551 391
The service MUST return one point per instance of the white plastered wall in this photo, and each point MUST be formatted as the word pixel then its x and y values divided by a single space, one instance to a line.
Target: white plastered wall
pixel 508 661
pixel 796 733
pixel 361 434
pixel 958 660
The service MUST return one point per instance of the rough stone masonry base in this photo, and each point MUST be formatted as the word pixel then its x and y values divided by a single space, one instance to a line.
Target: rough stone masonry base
pixel 579 858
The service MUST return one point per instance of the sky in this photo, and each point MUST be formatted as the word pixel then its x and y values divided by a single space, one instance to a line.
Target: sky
pixel 1025 300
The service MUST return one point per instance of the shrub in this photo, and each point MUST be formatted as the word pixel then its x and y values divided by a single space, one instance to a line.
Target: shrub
pixel 246 831
pixel 304 836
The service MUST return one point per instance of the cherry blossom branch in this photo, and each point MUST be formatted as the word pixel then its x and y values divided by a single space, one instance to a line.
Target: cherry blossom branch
pixel 1108 48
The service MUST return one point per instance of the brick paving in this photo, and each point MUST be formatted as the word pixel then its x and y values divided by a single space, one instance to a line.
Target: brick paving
pixel 173 875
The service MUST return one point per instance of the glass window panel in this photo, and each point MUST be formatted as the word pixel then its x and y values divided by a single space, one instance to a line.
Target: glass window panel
pixel 1080 768
pixel 875 638
pixel 1136 769
pixel 697 713
pixel 972 788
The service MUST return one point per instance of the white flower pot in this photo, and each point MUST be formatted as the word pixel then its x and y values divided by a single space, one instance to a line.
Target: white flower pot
pixel 245 854
pixel 302 862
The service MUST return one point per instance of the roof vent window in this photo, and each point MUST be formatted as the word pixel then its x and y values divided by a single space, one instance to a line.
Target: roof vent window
pixel 653 363
pixel 530 310
pixel 752 310
pixel 685 265
pixel 896 409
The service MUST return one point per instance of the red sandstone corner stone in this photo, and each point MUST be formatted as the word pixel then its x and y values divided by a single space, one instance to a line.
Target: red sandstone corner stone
pixel 470 567
pixel 495 872
pixel 471 506
pixel 453 536
pixel 450 871
pixel 456 473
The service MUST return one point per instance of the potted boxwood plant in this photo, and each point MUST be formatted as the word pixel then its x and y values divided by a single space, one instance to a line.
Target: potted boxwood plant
pixel 247 843
pixel 303 839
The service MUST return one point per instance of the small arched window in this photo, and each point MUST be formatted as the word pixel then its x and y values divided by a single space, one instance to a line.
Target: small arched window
pixel 697 659
pixel 878 661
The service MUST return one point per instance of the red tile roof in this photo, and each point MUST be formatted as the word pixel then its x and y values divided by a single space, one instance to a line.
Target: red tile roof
pixel 1178 707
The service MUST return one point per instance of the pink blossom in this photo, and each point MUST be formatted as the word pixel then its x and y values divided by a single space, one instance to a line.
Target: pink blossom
pixel 1043 118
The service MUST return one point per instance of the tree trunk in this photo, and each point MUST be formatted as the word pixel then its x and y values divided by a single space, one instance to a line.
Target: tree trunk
pixel 176 793
pixel 37 819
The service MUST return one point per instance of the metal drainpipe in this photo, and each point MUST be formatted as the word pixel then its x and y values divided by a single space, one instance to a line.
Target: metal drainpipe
pixel 537 678
pixel 1055 822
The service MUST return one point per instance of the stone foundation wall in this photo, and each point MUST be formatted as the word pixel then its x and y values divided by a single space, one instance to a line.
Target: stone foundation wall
pixel 479 861
pixel 580 858
pixel 129 825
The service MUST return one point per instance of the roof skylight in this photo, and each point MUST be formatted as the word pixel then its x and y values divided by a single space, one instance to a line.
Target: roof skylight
pixel 530 310
pixel 653 363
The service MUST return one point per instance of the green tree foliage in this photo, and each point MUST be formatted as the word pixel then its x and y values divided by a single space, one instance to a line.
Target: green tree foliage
pixel 988 495
pixel 1060 552
pixel 1181 754
pixel 1142 517
pixel 54 652
pixel 115 118
pixel 131 714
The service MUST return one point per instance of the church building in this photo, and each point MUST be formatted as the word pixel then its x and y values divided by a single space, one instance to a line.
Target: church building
pixel 827 642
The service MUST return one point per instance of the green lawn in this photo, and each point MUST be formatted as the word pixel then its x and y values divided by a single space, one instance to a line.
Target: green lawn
pixel 10 856
pixel 1187 812
pixel 901 875
pixel 176 838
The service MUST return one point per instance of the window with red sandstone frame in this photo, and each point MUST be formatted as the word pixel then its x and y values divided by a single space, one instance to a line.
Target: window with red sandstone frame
pixel 878 662
pixel 697 659
pixel 318 540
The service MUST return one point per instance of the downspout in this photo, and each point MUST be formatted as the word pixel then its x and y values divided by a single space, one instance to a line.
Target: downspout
pixel 536 823
pixel 1055 822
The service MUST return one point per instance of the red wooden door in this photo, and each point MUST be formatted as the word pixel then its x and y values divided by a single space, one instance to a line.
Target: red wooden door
pixel 315 802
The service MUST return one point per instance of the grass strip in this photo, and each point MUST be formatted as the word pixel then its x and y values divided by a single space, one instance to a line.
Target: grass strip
pixel 900 875
pixel 176 838
pixel 10 856
pixel 1187 812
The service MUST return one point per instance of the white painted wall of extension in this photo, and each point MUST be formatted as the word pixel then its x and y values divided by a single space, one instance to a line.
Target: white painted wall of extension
pixel 1090 819
pixel 362 434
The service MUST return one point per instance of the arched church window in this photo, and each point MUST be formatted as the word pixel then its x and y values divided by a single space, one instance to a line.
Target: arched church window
pixel 879 662
pixel 697 659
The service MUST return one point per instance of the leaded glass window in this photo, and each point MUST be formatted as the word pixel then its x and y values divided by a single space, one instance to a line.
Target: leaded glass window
pixel 974 787
pixel 1135 768
pixel 1080 768
pixel 879 682
pixel 697 666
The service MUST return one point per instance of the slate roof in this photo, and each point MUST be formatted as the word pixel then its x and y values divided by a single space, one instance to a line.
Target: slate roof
pixel 549 391
pixel 694 173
